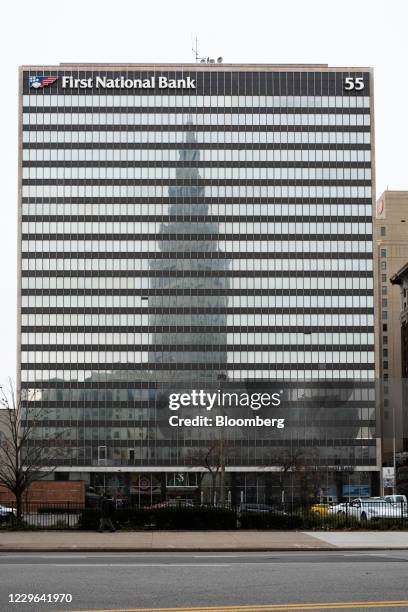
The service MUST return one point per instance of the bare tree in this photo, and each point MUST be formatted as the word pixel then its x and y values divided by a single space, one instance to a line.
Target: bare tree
pixel 289 461
pixel 22 457
pixel 298 467
pixel 213 458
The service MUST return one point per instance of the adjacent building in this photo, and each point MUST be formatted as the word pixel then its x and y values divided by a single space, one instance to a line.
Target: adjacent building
pixel 391 254
pixel 401 279
pixel 195 223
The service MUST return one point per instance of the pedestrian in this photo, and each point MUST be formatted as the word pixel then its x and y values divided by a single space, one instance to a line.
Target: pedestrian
pixel 106 512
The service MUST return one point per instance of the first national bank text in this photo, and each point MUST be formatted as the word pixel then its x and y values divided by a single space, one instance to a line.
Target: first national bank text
pixel 153 82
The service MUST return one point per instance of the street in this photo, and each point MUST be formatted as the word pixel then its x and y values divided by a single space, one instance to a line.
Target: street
pixel 221 581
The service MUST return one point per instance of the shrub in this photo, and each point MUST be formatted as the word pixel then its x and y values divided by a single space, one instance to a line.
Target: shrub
pixel 202 517
pixel 137 518
pixel 268 520
pixel 89 519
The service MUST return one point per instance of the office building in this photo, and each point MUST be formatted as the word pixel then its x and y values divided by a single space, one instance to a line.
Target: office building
pixel 391 254
pixel 400 280
pixel 194 222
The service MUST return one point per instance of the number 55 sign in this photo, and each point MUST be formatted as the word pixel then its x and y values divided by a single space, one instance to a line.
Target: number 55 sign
pixel 356 83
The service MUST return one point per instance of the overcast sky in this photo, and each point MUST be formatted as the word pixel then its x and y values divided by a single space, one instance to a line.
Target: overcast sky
pixel 342 33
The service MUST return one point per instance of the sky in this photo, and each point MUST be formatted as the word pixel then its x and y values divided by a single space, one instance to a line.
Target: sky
pixel 337 33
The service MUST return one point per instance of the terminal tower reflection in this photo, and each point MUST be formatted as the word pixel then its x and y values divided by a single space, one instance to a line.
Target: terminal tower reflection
pixel 190 283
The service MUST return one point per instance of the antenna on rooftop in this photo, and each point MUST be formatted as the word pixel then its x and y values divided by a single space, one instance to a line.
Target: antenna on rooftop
pixel 195 50
pixel 204 60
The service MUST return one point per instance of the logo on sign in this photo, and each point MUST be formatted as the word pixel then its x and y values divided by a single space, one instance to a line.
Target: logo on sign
pixel 39 82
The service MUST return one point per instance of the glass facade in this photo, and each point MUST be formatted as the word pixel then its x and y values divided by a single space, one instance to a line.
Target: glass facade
pixel 223 233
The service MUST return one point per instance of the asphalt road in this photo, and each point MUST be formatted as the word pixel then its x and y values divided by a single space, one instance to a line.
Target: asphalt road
pixel 230 582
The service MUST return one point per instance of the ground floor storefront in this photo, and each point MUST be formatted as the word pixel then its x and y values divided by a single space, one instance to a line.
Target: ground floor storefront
pixel 227 486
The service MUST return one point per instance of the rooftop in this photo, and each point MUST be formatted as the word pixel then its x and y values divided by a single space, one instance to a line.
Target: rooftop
pixel 197 66
pixel 400 275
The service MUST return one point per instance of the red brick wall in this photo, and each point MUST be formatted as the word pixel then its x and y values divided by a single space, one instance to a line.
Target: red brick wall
pixel 44 492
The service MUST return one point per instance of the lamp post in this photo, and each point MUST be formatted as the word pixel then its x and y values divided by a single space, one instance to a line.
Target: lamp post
pixel 394 453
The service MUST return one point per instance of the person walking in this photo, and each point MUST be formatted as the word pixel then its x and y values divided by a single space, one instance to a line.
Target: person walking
pixel 106 513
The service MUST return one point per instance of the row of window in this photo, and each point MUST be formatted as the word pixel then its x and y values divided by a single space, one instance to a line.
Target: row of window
pixel 201 302
pixel 160 211
pixel 160 137
pixel 274 230
pixel 242 356
pixel 241 173
pixel 118 439
pixel 192 100
pixel 134 412
pixel 353 452
pixel 213 119
pixel 243 245
pixel 137 339
pixel 210 155
pixel 235 282
pixel 195 269
pixel 146 392
pixel 36 377
pixel 158 191
pixel 240 320
pixel 249 265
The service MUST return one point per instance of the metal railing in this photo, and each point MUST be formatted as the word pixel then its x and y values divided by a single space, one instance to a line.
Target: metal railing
pixel 173 514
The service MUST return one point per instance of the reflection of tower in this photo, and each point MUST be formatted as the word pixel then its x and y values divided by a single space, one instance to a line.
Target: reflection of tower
pixel 190 289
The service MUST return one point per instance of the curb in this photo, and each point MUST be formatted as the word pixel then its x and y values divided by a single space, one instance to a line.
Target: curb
pixel 102 549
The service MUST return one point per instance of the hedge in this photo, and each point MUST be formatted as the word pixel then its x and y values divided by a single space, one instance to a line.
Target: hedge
pixel 164 518
pixel 201 517
pixel 268 520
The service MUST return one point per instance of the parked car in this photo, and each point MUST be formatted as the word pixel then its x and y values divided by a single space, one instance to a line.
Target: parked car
pixel 6 513
pixel 92 500
pixel 370 508
pixel 322 509
pixel 339 508
pixel 261 508
pixel 396 499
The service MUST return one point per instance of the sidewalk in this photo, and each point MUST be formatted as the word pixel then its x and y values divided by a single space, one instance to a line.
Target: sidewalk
pixel 196 541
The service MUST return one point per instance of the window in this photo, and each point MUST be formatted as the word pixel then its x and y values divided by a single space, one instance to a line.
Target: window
pixel 61 475
pixel 383 252
pixel 383 278
pixel 382 231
